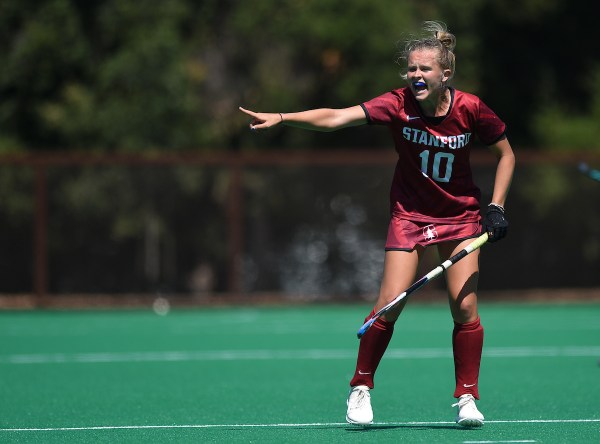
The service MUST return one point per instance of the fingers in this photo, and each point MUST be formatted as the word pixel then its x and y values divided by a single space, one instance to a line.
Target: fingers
pixel 255 121
pixel 496 233
pixel 247 111
pixel 260 121
pixel 258 124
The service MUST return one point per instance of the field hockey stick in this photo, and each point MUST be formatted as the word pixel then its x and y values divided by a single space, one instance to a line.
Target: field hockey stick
pixel 421 282
pixel 589 172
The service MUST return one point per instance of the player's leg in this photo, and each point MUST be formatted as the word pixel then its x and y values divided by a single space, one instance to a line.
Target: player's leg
pixel 467 336
pixel 398 273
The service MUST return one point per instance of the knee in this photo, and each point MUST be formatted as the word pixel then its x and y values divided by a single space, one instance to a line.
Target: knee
pixel 465 311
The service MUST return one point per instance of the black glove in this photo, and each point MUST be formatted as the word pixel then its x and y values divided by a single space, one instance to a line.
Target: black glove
pixel 494 223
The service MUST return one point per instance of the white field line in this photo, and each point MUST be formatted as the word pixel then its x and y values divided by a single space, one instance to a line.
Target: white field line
pixel 310 354
pixel 496 442
pixel 284 425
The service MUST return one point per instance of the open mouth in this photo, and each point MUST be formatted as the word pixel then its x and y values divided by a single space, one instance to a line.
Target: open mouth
pixel 419 86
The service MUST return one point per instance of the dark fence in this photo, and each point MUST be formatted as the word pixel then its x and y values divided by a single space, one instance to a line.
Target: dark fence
pixel 295 224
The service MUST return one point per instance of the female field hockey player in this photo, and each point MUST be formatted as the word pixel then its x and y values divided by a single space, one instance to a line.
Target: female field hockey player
pixel 433 200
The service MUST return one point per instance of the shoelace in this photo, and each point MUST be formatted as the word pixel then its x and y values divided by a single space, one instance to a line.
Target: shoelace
pixel 360 398
pixel 463 401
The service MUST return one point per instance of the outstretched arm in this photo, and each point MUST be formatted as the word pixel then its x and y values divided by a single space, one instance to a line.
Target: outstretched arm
pixel 322 119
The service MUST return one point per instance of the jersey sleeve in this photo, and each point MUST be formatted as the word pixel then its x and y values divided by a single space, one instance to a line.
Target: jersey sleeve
pixel 490 128
pixel 382 109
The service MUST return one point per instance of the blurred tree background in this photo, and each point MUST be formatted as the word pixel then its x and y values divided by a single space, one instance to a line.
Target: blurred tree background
pixel 133 77
pixel 126 75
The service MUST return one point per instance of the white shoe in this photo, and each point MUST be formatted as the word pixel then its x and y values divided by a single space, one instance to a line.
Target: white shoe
pixel 359 406
pixel 468 415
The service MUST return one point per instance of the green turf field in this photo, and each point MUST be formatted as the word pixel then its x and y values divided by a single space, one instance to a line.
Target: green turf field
pixel 281 375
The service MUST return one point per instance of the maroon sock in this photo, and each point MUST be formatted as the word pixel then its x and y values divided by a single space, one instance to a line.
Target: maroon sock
pixel 370 351
pixel 467 344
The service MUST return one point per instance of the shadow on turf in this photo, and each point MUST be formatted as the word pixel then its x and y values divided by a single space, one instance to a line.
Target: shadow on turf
pixel 374 428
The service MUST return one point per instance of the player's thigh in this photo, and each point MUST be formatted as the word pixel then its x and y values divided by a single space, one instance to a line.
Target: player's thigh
pixel 399 270
pixel 461 280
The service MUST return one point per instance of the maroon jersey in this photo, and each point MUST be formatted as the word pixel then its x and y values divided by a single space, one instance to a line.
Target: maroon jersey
pixel 433 181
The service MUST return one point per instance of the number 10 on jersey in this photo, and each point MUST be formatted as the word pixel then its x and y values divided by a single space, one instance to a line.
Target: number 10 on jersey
pixel 442 162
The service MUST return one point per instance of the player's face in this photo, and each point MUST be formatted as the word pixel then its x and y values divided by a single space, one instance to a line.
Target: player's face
pixel 425 76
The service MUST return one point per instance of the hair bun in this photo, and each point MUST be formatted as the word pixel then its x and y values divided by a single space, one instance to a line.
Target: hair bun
pixel 447 39
pixel 440 32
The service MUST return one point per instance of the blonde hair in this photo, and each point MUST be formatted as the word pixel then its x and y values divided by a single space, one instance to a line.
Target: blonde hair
pixel 441 40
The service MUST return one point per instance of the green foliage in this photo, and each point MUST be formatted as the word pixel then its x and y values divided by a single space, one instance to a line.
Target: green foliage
pixel 123 75
pixel 560 127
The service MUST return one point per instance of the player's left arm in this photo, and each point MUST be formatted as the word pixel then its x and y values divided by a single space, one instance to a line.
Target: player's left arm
pixel 504 171
pixel 495 222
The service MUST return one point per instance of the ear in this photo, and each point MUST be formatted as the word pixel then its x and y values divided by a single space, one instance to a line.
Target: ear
pixel 446 74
